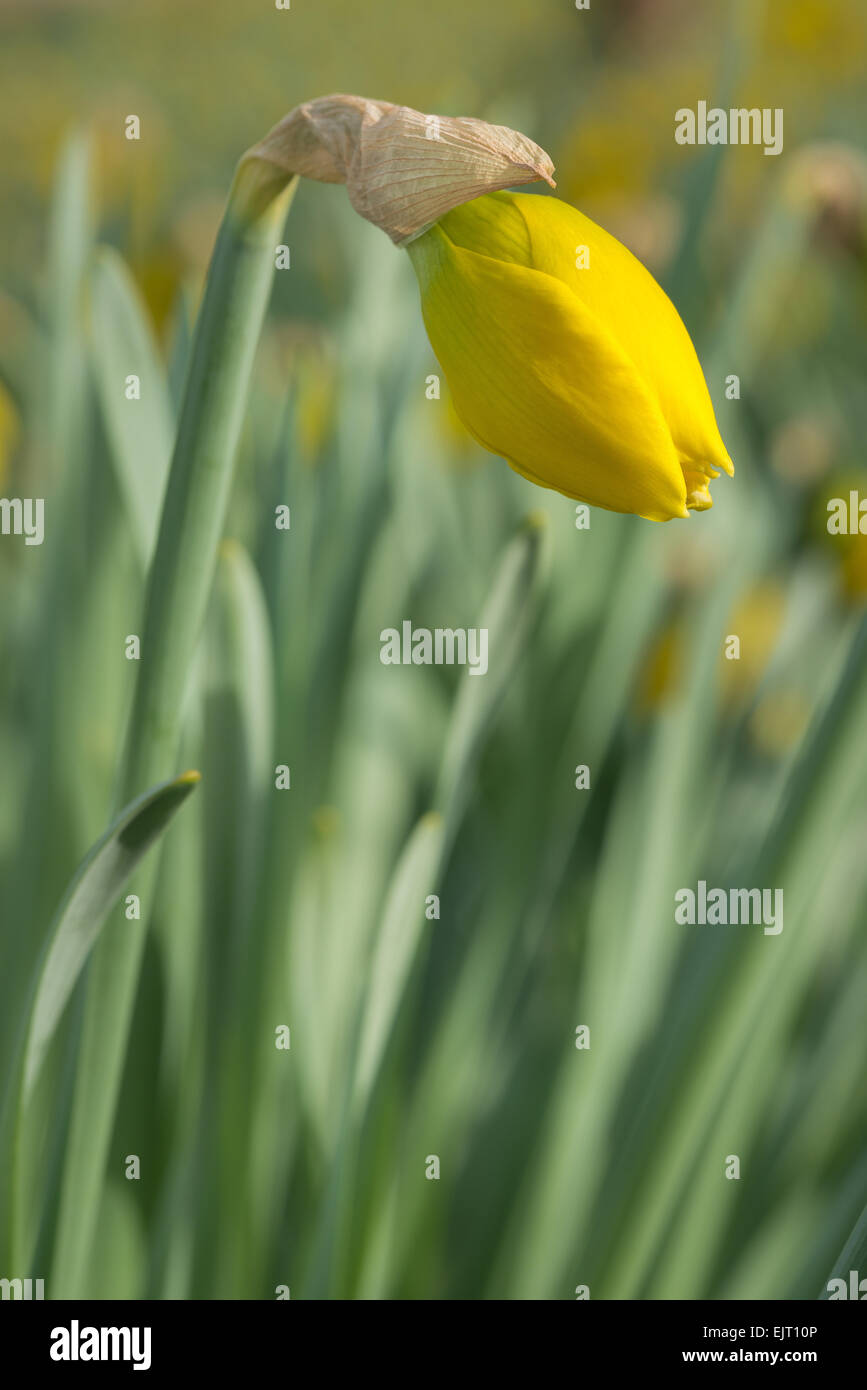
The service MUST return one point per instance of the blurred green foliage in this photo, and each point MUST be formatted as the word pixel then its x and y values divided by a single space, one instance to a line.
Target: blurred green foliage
pixel 453 1036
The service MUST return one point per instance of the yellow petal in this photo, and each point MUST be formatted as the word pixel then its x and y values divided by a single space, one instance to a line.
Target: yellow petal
pixel 698 498
pixel 546 234
pixel 537 378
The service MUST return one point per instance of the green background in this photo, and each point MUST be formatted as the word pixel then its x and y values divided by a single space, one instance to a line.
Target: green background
pixel 454 1037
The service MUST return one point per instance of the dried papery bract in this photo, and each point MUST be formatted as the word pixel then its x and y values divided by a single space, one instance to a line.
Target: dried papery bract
pixel 403 170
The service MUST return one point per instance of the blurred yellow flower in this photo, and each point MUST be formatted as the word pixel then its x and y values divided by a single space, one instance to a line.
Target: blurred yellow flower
pixel 779 721
pixel 848 550
pixel 565 357
pixel 316 407
pixel 818 40
pixel 853 569
pixel 756 620
pixel 661 672
pixel 10 430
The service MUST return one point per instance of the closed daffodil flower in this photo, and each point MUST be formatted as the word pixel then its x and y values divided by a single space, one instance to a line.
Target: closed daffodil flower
pixel 565 357
pixel 561 351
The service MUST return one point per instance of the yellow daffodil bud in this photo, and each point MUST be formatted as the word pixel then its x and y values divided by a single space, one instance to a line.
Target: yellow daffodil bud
pixel 565 357
pixel 562 353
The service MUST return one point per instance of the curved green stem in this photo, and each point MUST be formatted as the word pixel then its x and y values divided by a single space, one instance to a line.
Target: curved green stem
pixel 179 583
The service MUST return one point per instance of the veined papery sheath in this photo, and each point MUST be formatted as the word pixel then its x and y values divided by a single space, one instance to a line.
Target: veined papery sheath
pixel 582 376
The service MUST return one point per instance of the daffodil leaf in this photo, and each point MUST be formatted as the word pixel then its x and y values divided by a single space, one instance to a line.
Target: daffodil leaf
pixel 86 904
pixel 140 431
pixel 94 888
pixel 397 945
